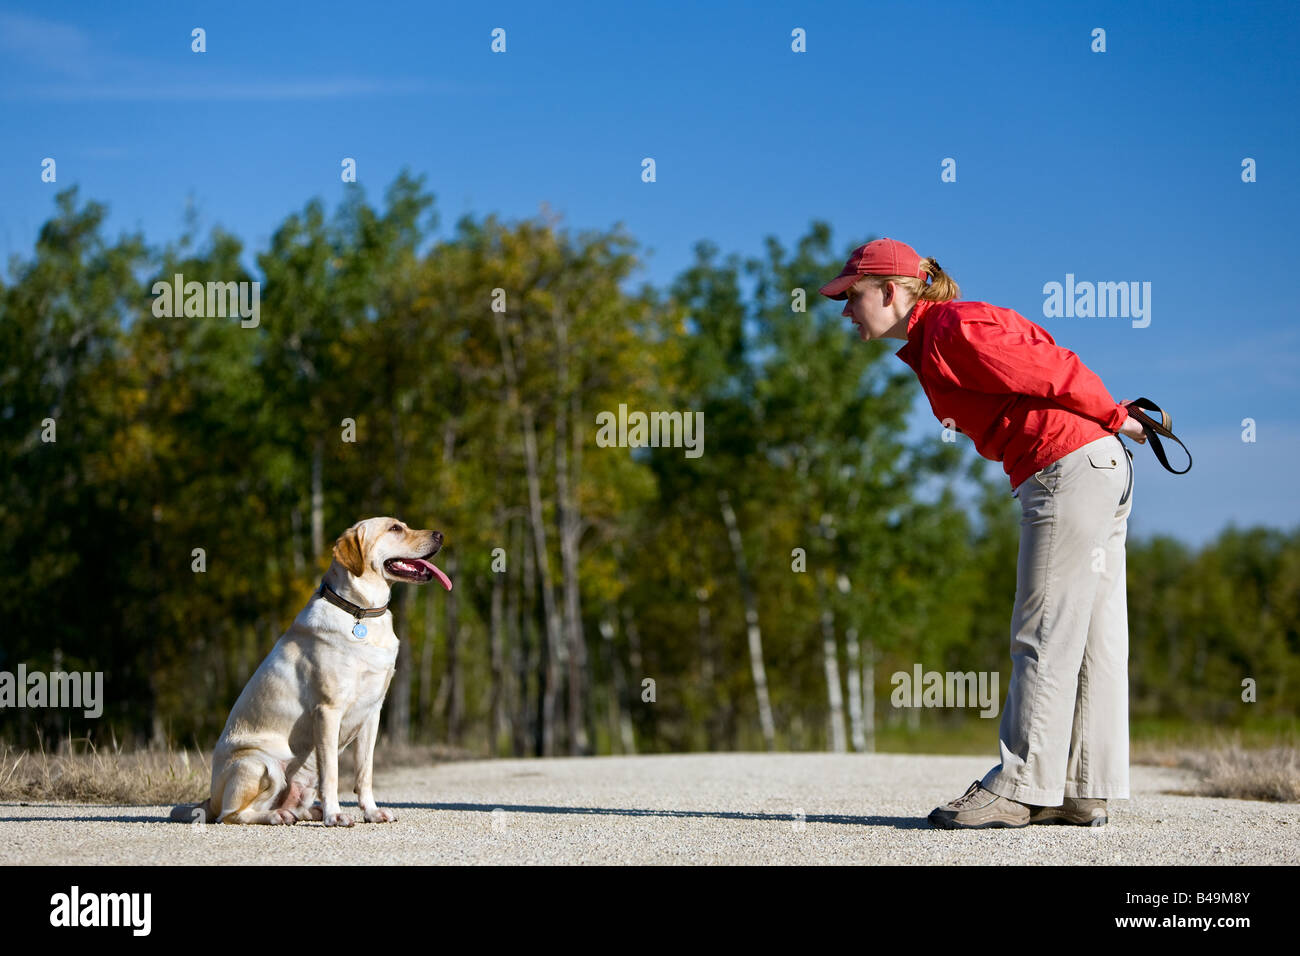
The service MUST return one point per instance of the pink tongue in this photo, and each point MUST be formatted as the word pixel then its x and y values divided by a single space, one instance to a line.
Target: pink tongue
pixel 437 572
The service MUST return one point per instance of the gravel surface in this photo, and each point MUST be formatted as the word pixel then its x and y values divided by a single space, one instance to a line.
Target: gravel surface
pixel 694 808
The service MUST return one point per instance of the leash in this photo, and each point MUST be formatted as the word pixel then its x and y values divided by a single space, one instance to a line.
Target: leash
pixel 1155 429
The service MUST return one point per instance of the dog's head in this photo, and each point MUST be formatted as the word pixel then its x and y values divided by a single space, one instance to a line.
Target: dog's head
pixel 388 548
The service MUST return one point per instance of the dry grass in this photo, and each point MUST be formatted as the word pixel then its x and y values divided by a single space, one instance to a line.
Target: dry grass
pixel 1226 768
pixel 84 773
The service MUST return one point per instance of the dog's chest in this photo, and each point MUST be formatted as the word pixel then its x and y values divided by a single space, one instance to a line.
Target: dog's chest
pixel 372 669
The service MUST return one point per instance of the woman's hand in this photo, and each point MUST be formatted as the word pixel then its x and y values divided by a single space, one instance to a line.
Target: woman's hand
pixel 1132 428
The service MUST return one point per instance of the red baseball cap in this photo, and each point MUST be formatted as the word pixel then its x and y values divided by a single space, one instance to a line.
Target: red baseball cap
pixel 881 257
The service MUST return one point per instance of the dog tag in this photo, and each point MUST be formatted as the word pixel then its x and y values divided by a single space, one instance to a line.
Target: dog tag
pixel 359 631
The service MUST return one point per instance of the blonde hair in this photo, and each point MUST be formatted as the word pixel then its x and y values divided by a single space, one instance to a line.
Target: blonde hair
pixel 941 287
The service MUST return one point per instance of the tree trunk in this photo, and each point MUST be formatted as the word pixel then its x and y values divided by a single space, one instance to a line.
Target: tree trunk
pixel 634 659
pixel 569 522
pixel 551 612
pixel 536 646
pixel 399 715
pixel 299 560
pixel 455 694
pixel 751 622
pixel 831 667
pixel 317 501
pixel 855 690
pixel 497 651
pixel 426 663
pixel 536 518
pixel 869 695
pixel 518 652
pixel 399 726
pixel 620 717
pixel 708 667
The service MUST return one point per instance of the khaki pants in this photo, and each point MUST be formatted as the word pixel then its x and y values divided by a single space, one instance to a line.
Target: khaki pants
pixel 1064 729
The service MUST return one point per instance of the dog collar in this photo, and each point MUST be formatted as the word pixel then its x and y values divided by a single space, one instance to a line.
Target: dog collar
pixel 358 612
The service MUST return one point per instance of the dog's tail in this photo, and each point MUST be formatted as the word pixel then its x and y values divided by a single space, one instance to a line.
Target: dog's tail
pixel 193 812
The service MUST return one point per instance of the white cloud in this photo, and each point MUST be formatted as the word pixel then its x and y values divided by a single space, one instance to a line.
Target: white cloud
pixel 52 46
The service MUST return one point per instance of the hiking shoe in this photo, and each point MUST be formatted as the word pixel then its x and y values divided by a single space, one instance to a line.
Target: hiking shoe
pixel 979 809
pixel 1078 811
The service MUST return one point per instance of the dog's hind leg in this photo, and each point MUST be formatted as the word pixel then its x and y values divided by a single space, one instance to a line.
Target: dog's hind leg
pixel 250 793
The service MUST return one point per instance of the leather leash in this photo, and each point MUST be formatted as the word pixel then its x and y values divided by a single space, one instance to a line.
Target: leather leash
pixel 1155 429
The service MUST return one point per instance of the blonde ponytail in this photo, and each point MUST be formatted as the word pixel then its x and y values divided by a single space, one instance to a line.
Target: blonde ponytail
pixel 942 288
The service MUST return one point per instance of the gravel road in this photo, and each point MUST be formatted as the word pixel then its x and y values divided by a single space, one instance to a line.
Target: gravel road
pixel 696 808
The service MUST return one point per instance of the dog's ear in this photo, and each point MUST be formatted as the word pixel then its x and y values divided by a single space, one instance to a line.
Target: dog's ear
pixel 349 550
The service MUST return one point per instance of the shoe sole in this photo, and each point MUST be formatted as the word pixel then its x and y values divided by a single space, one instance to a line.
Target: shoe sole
pixel 1065 821
pixel 942 824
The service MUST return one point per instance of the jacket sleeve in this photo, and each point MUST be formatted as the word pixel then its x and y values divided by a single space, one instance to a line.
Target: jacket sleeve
pixel 989 357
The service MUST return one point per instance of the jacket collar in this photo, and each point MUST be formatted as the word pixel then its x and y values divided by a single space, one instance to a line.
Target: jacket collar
pixel 910 352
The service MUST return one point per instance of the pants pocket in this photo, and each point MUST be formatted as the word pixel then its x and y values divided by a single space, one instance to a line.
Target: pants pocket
pixel 1047 477
pixel 1104 459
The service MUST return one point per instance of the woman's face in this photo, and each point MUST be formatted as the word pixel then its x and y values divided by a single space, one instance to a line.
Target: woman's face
pixel 869 313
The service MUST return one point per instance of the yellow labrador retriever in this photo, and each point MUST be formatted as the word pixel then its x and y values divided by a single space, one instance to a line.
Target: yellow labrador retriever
pixel 320 688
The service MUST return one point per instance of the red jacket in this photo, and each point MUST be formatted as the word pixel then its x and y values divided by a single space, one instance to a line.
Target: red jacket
pixel 1004 381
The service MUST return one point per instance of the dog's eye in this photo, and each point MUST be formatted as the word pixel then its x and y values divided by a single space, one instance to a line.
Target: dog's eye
pixel 396 527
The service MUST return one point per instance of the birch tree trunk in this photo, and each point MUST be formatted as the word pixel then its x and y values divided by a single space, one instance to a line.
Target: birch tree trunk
pixel 497 650
pixel 751 622
pixel 634 659
pixel 399 726
pixel 569 522
pixel 869 694
pixel 317 501
pixel 533 469
pixel 831 666
pixel 299 560
pixel 536 645
pixel 426 663
pixel 707 666
pixel 855 690
pixel 455 694
pixel 550 611
pixel 518 650
pixel 621 717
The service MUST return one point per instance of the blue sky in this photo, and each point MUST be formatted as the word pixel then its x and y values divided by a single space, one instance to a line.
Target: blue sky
pixel 1115 166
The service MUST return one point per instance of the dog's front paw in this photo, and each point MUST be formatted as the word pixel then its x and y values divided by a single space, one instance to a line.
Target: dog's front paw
pixel 338 820
pixel 380 815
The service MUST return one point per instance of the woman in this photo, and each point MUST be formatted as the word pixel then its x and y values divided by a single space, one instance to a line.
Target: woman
pixel 1025 401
